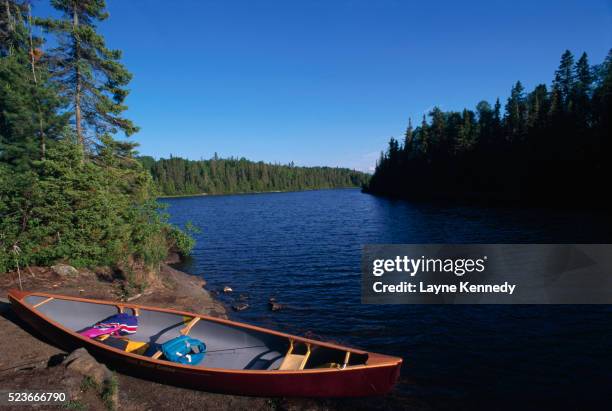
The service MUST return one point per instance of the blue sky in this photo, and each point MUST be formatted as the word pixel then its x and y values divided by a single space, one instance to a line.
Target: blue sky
pixel 328 82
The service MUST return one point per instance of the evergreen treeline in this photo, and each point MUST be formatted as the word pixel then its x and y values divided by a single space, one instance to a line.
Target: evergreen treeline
pixel 177 176
pixel 69 191
pixel 548 146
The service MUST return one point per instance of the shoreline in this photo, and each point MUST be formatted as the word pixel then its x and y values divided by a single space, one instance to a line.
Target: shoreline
pixel 254 192
pixel 32 364
pixel 32 361
pixel 173 288
pixel 488 200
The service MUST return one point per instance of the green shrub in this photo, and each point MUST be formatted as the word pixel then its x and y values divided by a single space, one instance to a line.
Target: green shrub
pixel 179 240
pixel 85 213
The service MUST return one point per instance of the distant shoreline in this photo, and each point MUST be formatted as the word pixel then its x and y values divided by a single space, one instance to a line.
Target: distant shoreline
pixel 256 192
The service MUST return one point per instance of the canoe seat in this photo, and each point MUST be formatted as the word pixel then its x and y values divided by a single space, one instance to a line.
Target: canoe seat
pixel 125 344
pixel 295 361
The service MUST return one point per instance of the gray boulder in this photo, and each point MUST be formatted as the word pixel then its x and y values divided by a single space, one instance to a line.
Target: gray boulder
pixel 274 306
pixel 65 270
pixel 83 363
pixel 240 307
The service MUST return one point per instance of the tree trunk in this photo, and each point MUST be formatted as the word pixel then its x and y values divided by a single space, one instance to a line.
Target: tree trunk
pixel 9 17
pixel 9 23
pixel 78 86
pixel 77 111
pixel 41 130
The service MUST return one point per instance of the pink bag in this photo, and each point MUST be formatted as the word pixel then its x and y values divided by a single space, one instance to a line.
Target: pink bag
pixel 117 324
pixel 96 332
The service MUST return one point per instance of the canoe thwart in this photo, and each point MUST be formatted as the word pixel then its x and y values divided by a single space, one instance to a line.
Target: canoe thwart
pixel 190 325
pixel 42 302
pixel 347 356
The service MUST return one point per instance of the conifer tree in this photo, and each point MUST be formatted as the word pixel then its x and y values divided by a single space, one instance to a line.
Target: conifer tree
pixel 584 75
pixel 602 108
pixel 29 103
pixel 515 117
pixel 564 79
pixel 393 149
pixel 89 74
pixel 424 137
pixel 497 112
pixel 12 34
pixel 53 206
pixel 466 133
pixel 437 128
pixel 485 122
pixel 548 140
pixel 582 91
pixel 537 107
pixel 408 137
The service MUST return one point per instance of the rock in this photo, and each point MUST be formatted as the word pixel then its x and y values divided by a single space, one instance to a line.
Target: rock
pixel 274 306
pixel 227 289
pixel 65 270
pixel 243 297
pixel 272 300
pixel 240 307
pixel 83 363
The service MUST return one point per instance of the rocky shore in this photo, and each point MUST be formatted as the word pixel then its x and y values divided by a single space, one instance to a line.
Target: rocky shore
pixel 28 361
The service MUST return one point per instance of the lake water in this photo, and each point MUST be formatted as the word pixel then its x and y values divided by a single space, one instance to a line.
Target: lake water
pixel 304 248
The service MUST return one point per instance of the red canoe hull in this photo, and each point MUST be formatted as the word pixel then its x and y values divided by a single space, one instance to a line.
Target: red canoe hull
pixel 369 380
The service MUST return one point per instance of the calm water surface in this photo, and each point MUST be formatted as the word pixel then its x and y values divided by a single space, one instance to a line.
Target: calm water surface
pixel 304 248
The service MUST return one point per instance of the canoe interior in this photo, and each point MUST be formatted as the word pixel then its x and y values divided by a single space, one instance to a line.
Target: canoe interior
pixel 228 346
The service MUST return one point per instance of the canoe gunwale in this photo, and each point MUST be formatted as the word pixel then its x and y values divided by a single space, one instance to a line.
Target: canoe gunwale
pixel 374 360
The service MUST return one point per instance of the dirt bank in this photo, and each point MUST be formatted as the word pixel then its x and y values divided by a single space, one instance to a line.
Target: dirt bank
pixel 174 289
pixel 28 361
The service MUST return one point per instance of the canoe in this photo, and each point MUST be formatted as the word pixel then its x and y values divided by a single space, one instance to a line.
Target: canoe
pixel 241 359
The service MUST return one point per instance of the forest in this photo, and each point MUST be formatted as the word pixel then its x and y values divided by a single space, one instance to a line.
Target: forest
pixel 69 191
pixel 177 176
pixel 547 147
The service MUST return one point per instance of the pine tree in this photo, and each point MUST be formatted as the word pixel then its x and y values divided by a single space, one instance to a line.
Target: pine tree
pixel 485 122
pixel 546 142
pixel 29 103
pixel 438 129
pixel 497 112
pixel 537 107
pixel 424 136
pixel 515 117
pixel 12 33
pixel 408 137
pixel 584 75
pixel 602 108
pixel 393 149
pixel 564 79
pixel 89 74
pixel 582 91
pixel 466 138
